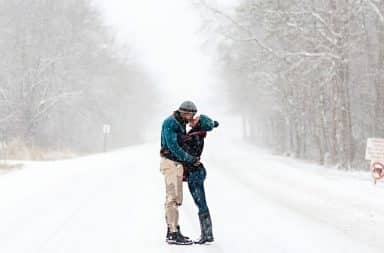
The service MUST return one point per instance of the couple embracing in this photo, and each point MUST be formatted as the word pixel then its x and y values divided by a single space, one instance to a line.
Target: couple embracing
pixel 180 161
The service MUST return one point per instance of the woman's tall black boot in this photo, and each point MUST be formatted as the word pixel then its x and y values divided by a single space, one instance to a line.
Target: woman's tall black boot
pixel 206 228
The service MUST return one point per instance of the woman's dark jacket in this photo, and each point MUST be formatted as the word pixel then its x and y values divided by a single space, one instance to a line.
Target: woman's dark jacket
pixel 193 142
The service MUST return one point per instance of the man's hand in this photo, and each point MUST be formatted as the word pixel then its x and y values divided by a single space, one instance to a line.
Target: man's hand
pixel 197 162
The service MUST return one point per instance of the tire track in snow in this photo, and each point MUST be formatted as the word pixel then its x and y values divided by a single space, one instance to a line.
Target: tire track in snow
pixel 351 216
pixel 92 196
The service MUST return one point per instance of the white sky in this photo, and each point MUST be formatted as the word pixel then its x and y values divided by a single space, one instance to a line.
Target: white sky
pixel 166 38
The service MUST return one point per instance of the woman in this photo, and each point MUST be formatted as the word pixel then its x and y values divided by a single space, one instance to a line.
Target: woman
pixel 195 175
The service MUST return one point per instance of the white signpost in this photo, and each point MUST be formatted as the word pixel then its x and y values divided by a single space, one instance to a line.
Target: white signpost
pixel 375 153
pixel 3 151
pixel 106 131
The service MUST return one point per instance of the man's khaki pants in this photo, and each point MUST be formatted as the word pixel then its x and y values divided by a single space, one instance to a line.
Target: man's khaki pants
pixel 173 173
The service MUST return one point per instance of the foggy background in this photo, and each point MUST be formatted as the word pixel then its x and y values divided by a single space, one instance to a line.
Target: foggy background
pixel 303 78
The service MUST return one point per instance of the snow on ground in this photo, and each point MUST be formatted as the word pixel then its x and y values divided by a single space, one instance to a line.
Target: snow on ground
pixel 113 202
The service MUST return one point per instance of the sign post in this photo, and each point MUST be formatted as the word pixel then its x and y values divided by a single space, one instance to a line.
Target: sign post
pixel 375 153
pixel 3 146
pixel 106 131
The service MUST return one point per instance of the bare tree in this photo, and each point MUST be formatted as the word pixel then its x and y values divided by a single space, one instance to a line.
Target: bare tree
pixel 320 90
pixel 61 78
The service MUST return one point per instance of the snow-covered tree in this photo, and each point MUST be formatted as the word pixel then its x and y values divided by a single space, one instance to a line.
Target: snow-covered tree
pixel 61 78
pixel 307 74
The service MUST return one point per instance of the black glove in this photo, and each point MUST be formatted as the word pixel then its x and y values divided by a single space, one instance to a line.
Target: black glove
pixel 196 162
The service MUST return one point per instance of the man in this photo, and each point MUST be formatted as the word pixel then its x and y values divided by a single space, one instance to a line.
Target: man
pixel 171 165
pixel 193 143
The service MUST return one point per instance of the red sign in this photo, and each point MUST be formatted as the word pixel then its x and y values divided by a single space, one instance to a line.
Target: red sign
pixel 377 169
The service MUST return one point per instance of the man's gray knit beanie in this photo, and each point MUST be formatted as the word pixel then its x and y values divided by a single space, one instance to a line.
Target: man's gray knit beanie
pixel 188 106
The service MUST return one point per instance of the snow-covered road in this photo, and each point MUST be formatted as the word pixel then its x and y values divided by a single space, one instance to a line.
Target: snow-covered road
pixel 113 202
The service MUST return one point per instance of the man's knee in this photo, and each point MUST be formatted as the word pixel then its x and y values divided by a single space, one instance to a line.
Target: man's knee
pixel 173 203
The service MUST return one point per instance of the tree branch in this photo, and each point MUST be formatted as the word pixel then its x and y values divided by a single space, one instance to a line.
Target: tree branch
pixel 376 9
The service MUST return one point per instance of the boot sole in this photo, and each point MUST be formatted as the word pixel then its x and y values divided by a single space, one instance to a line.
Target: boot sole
pixel 179 243
pixel 206 242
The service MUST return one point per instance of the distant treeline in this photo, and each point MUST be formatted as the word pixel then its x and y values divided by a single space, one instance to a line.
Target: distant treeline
pixel 307 76
pixel 62 76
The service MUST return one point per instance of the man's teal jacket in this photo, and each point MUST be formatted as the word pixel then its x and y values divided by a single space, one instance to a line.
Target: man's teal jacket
pixel 172 133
